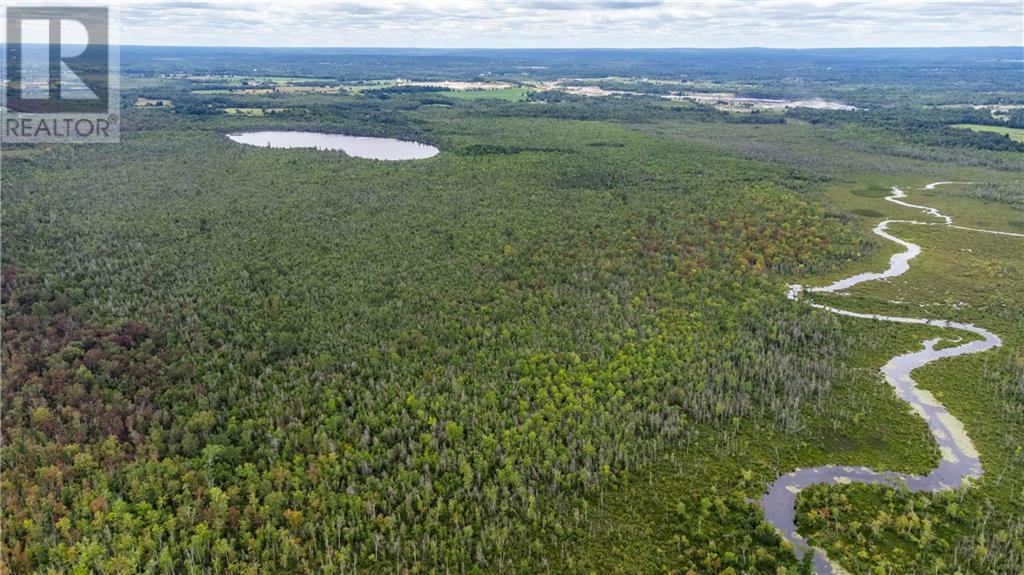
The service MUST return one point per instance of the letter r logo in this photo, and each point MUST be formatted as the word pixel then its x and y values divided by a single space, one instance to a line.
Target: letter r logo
pixel 57 59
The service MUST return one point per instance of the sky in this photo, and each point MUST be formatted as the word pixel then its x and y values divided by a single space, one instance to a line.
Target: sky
pixel 571 23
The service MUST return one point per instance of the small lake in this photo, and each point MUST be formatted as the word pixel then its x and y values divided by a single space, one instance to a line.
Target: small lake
pixel 357 146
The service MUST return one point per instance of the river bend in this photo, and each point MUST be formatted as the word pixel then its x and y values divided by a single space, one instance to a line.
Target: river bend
pixel 960 463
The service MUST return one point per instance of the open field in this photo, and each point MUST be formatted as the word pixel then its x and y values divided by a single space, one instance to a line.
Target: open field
pixel 308 89
pixel 149 102
pixel 517 94
pixel 254 111
pixel 239 80
pixel 1014 133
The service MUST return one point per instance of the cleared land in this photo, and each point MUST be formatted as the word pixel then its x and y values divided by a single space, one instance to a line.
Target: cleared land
pixel 516 94
pixel 1016 134
pixel 254 111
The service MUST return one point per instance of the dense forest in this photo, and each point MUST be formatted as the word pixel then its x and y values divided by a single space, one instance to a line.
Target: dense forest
pixel 427 416
pixel 228 359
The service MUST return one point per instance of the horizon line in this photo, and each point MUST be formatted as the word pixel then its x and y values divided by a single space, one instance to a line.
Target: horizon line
pixel 562 48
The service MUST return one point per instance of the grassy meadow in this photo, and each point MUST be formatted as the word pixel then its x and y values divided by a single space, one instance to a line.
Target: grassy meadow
pixel 1016 134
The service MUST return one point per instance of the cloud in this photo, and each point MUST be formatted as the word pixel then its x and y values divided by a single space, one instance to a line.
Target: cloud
pixel 578 5
pixel 626 4
pixel 568 23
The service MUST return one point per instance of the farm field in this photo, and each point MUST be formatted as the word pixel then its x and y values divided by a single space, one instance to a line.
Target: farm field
pixel 1016 134
pixel 517 94
pixel 144 102
pixel 254 111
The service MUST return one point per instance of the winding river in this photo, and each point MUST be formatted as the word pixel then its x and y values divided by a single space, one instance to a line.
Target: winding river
pixel 960 463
